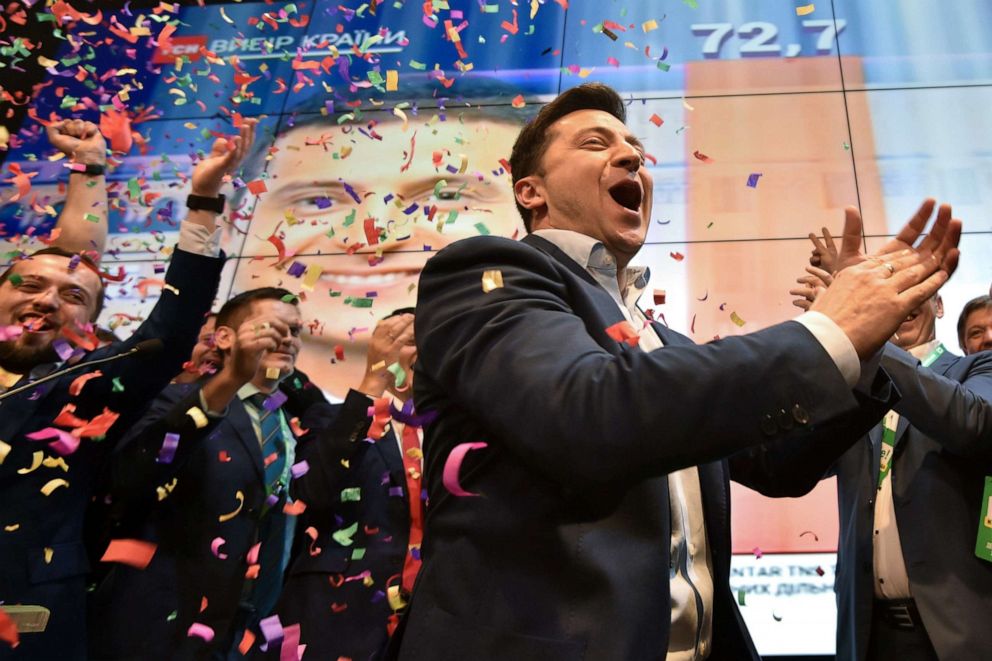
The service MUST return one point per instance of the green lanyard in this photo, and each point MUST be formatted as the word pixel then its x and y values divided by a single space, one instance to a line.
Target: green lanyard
pixel 891 421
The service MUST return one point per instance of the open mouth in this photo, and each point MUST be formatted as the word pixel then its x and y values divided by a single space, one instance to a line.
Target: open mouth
pixel 35 323
pixel 627 193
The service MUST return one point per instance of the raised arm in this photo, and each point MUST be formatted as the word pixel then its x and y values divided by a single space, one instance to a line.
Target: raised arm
pixel 83 221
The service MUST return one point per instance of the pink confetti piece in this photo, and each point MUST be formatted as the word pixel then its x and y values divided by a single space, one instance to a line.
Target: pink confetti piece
pixel 64 443
pixel 8 333
pixel 200 630
pixel 453 465
pixel 215 548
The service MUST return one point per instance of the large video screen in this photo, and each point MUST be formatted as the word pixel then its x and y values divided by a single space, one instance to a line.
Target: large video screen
pixel 385 128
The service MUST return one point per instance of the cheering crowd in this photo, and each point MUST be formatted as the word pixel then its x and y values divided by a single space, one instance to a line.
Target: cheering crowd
pixel 527 467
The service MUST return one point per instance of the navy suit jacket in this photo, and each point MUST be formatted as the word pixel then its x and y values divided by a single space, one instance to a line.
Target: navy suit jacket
pixel 565 552
pixel 943 453
pixel 33 522
pixel 182 507
pixel 340 614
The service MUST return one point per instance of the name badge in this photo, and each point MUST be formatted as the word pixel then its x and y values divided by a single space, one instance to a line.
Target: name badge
pixel 983 548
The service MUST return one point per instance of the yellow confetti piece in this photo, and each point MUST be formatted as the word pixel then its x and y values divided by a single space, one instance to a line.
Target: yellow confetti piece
pixel 584 73
pixel 52 485
pixel 734 317
pixel 392 80
pixel 164 491
pixel 805 10
pixel 464 164
pixel 240 497
pixel 168 287
pixel 378 366
pixel 4 136
pixel 199 417
pixel 12 528
pixel 647 26
pixel 311 276
pixel 49 552
pixel 492 280
pixel 685 104
pixel 45 62
pixel 4 450
pixel 395 597
pixel 398 112
pixel 272 373
pixel 56 462
pixel 223 15
pixel 36 460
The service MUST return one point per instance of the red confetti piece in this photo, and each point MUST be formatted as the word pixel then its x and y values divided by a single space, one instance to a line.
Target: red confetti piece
pixel 622 331
pixel 116 128
pixel 132 552
pixel 677 256
pixel 257 187
pixel 339 351
pixel 518 101
pixel 702 157
pixel 77 384
pixel 8 629
pixel 659 296
pixel 656 120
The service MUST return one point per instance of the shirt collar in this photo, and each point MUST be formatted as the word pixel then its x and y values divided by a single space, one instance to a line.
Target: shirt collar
pixel 247 390
pixel 592 255
pixel 924 350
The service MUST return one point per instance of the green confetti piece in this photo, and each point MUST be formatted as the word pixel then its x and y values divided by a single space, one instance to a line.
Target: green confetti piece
pixel 343 536
pixel 483 230
pixel 740 598
pixel 133 188
pixel 116 385
pixel 441 183
pixel 357 554
pixel 334 294
pixel 349 221
pixel 172 616
pixel 351 495
pixel 399 374
pixel 15 279
pixel 92 217
pixel 490 9
pixel 419 66
pixel 290 298
pixel 692 4
pixel 452 217
pixel 357 302
pixel 664 66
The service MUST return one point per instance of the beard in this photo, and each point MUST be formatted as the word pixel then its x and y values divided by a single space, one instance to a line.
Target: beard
pixel 21 359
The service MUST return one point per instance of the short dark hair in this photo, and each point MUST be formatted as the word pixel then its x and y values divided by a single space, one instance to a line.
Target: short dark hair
pixel 236 309
pixel 84 259
pixel 977 303
pixel 533 141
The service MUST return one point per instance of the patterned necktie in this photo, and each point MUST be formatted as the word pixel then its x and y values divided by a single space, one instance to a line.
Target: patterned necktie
pixel 273 445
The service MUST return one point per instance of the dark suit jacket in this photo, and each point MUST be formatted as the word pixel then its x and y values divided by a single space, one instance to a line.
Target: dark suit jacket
pixel 565 554
pixel 56 521
pixel 943 453
pixel 132 610
pixel 339 615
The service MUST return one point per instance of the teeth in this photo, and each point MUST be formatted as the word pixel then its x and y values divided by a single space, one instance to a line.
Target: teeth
pixel 632 175
pixel 373 280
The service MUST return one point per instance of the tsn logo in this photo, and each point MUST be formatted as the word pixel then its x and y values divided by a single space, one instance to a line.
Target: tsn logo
pixel 178 47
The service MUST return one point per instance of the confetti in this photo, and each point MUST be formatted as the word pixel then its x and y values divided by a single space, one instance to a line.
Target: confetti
pixel 805 10
pixel 752 180
pixel 518 101
pixel 132 552
pixel 344 535
pixel 52 485
pixel 492 280
pixel 202 631
pixel 240 497
pixel 734 317
pixel 622 331
pixel 215 548
pixel 656 120
pixel 168 450
pixel 77 384
pixel 659 296
pixel 199 417
pixel 8 629
pixel 702 157
pixel 257 187
pixel 677 256
pixel 4 451
pixel 452 466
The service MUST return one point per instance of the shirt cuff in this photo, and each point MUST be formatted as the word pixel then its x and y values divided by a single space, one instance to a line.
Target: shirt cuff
pixel 835 342
pixel 197 239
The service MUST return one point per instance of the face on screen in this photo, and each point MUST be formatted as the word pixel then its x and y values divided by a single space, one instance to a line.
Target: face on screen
pixel 321 205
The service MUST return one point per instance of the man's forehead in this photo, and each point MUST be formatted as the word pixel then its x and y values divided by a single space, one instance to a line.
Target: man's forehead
pixel 285 311
pixel 590 118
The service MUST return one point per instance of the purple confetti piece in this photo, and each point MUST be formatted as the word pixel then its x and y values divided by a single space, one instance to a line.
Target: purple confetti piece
pixel 299 469
pixel 752 180
pixel 168 450
pixel 322 202
pixel 296 269
pixel 271 500
pixel 74 262
pixel 274 401
pixel 272 630
pixel 348 188
pixel 396 491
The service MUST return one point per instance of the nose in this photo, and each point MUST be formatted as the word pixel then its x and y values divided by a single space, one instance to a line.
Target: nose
pixel 47 300
pixel 627 157
pixel 987 340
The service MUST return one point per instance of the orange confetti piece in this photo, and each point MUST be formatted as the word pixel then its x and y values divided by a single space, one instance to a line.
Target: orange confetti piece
pixel 8 629
pixel 257 187
pixel 702 157
pixel 132 552
pixel 622 331
pixel 656 120
pixel 518 101
pixel 77 384
pixel 116 128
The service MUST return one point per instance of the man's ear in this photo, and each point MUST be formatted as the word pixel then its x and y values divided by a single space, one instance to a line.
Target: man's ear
pixel 224 337
pixel 940 307
pixel 529 192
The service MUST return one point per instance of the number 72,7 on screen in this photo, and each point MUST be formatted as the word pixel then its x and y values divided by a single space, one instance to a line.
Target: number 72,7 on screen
pixel 760 37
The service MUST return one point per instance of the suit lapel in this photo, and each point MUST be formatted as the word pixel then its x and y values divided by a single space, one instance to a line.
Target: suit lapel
pixel 238 418
pixel 875 451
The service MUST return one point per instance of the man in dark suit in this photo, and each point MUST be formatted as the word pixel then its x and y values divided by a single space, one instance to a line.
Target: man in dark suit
pixel 212 501
pixel 975 325
pixel 578 545
pixel 343 591
pixel 46 484
pixel 912 580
